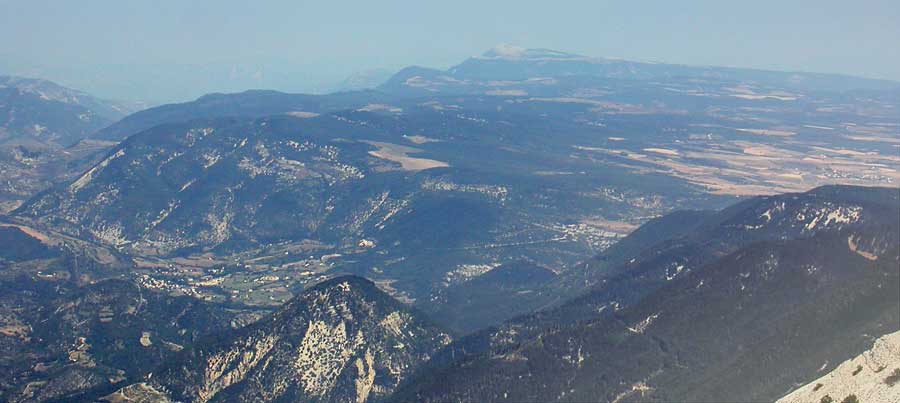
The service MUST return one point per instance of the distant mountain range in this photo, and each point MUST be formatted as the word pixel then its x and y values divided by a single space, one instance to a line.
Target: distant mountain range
pixel 364 80
pixel 51 91
pixel 510 63
pixel 505 71
pixel 584 229
pixel 40 111
pixel 561 157
pixel 38 119
pixel 809 282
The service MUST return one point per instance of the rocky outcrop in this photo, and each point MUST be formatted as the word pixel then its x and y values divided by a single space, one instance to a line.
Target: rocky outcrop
pixel 342 340
pixel 873 376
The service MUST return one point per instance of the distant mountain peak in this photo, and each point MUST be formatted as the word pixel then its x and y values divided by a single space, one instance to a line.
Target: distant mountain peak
pixel 366 79
pixel 505 51
pixel 50 91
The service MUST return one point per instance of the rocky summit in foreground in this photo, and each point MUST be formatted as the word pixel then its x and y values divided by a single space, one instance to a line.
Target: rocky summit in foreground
pixel 342 340
pixel 873 376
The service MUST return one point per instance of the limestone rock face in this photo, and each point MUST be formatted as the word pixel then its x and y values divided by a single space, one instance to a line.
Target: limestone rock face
pixel 873 376
pixel 342 340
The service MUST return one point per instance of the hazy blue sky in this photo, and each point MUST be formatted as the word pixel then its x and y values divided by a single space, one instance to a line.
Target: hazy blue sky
pixel 167 50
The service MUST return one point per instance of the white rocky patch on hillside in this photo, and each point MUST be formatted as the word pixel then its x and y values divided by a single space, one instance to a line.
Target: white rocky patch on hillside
pixel 89 175
pixel 673 271
pixel 218 220
pixel 323 354
pixel 110 233
pixel 210 158
pixel 809 217
pixel 371 207
pixel 437 185
pixel 465 272
pixel 380 108
pixel 766 216
pixel 641 327
pixel 365 381
pixel 231 366
pixel 826 217
pixel 873 376
pixel 195 135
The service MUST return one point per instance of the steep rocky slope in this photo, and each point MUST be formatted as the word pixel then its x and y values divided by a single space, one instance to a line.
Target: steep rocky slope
pixel 342 340
pixel 873 376
pixel 58 340
pixel 674 245
pixel 809 279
